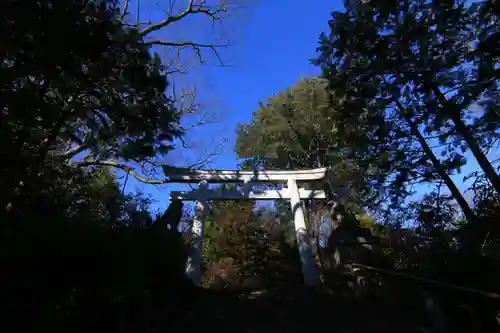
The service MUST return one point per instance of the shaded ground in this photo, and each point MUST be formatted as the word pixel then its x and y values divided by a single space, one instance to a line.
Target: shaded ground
pixel 292 310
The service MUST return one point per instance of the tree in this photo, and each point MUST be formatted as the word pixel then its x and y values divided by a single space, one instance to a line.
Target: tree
pixel 231 239
pixel 90 89
pixel 94 94
pixel 73 76
pixel 296 129
pixel 245 247
pixel 188 35
pixel 431 80
pixel 74 80
pixel 290 128
pixel 98 198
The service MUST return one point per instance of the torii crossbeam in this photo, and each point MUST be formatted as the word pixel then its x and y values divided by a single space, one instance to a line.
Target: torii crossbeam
pixel 292 192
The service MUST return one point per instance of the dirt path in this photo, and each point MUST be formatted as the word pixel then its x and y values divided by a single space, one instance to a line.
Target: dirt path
pixel 290 311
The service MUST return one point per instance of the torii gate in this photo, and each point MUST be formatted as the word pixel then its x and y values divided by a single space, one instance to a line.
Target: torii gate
pixel 247 178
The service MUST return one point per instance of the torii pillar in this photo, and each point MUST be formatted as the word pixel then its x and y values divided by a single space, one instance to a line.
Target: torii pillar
pixel 303 239
pixel 193 264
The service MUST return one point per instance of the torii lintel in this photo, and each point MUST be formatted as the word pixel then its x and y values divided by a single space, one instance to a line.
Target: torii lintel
pixel 181 175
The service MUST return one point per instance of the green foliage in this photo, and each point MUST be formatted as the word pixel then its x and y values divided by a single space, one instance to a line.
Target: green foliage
pixel 75 253
pixel 246 248
pixel 283 211
pixel 409 67
pixel 409 91
pixel 75 80
pixel 418 83
pixel 365 221
pixel 76 257
pixel 296 129
pixel 292 128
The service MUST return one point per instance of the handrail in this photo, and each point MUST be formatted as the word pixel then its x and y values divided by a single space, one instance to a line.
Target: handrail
pixel 442 284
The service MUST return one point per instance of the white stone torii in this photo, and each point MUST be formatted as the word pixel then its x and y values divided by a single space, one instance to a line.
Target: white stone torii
pixel 291 192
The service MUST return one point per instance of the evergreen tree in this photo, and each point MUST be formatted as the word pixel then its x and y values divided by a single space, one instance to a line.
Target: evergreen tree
pixel 410 67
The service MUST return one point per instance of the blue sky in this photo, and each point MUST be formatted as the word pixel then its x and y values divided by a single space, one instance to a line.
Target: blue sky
pixel 270 51
pixel 271 44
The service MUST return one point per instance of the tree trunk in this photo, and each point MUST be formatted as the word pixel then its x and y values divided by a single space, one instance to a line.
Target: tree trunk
pixel 455 192
pixel 482 160
pixel 462 129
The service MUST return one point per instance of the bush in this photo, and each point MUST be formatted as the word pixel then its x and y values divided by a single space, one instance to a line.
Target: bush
pixel 70 275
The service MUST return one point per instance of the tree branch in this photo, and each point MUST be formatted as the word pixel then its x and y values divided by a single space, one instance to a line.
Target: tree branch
pixel 192 9
pixel 70 153
pixel 142 179
pixel 196 46
pixel 125 168
pixel 125 9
